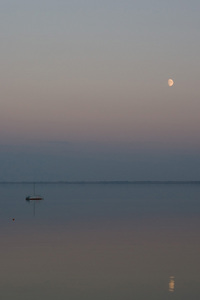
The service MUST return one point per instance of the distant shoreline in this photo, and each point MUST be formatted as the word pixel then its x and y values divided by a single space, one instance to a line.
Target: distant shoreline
pixel 106 182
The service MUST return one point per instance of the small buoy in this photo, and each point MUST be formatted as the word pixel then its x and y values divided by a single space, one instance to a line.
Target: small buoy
pixel 13 219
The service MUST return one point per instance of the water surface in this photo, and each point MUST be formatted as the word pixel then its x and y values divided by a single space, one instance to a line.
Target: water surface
pixel 100 241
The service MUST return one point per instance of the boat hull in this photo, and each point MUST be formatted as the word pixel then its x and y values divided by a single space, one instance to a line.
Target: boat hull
pixel 34 198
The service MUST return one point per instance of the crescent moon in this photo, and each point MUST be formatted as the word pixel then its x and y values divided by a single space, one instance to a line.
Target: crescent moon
pixel 170 82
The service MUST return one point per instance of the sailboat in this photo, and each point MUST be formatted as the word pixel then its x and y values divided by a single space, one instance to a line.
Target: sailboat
pixel 34 196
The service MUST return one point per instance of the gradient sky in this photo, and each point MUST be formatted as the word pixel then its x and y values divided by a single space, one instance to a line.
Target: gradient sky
pixel 84 92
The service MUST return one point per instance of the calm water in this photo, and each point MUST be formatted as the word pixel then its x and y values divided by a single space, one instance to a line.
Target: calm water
pixel 99 242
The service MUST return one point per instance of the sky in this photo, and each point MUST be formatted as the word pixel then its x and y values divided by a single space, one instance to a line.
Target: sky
pixel 84 93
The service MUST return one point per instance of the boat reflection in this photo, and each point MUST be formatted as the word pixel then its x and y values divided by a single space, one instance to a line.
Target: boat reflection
pixel 33 202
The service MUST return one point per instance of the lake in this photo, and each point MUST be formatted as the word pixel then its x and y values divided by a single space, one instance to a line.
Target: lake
pixel 100 241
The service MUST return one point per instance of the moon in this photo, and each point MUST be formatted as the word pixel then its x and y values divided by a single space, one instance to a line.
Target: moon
pixel 170 82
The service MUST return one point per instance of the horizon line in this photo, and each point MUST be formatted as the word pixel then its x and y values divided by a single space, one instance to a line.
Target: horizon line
pixel 104 182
